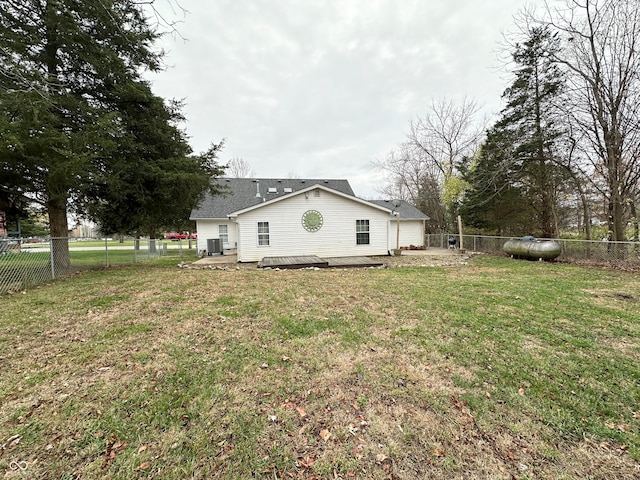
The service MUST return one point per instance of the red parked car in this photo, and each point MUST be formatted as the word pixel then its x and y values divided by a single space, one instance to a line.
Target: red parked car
pixel 180 236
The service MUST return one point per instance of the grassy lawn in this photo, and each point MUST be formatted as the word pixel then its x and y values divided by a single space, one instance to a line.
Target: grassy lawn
pixel 495 369
pixel 90 258
pixel 84 243
pixel 80 244
pixel 27 264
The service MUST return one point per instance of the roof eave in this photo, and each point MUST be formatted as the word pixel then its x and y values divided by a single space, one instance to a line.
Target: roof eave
pixel 306 190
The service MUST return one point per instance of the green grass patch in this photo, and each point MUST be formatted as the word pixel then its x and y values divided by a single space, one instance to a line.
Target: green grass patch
pixel 496 369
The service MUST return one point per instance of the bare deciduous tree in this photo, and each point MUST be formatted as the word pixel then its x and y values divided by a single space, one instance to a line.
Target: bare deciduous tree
pixel 405 171
pixel 239 168
pixel 447 133
pixel 601 57
pixel 410 177
pixel 423 168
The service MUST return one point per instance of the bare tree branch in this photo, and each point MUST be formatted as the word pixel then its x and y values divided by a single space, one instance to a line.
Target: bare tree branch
pixel 239 168
pixel 447 133
pixel 601 57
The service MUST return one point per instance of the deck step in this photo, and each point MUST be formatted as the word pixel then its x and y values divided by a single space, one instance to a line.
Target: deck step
pixel 303 261
pixel 310 261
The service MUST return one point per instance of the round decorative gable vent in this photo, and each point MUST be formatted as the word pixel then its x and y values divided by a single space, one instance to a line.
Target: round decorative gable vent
pixel 312 220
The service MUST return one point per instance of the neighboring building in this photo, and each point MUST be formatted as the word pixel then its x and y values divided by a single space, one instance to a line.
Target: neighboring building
pixel 271 217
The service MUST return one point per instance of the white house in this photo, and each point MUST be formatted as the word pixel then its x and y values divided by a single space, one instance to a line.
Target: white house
pixel 290 217
pixel 408 224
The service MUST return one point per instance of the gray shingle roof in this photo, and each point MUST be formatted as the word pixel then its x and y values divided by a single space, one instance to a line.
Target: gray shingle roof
pixel 240 193
pixel 407 211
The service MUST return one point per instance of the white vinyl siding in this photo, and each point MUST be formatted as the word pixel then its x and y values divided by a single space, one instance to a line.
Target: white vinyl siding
pixel 362 232
pixel 211 229
pixel 263 234
pixel 336 237
pixel 411 233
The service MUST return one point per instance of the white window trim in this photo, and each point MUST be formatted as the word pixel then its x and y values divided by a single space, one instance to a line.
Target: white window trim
pixel 368 232
pixel 267 233
pixel 224 237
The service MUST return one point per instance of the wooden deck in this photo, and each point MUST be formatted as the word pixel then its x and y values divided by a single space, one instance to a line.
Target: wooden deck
pixel 310 261
pixel 304 261
pixel 351 262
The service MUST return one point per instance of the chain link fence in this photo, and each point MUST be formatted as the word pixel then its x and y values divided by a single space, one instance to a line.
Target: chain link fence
pixel 25 263
pixel 622 254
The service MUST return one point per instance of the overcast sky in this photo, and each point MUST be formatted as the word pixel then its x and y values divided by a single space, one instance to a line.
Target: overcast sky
pixel 321 88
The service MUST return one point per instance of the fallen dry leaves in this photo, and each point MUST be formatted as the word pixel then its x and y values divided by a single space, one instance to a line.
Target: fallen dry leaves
pixel 113 448
pixel 412 426
pixel 143 466
pixel 325 434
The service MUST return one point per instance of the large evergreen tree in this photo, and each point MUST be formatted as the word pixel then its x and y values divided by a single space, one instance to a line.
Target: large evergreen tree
pixel 80 128
pixel 60 63
pixel 521 149
pixel 495 201
pixel 532 116
pixel 152 174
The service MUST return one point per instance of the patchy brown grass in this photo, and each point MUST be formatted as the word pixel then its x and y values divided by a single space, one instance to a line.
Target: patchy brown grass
pixel 463 371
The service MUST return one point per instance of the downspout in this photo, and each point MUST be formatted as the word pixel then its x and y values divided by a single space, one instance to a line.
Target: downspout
pixel 424 233
pixel 233 220
pixel 389 233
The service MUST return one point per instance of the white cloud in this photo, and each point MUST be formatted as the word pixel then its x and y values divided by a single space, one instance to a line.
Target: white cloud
pixel 322 88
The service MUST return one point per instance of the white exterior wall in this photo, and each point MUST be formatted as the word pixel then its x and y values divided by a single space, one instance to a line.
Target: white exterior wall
pixel 411 233
pixel 336 238
pixel 209 229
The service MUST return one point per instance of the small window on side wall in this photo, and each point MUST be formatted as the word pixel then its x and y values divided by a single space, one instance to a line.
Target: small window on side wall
pixel 263 234
pixel 223 233
pixel 362 232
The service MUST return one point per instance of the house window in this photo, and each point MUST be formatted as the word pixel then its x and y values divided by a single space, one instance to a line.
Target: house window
pixel 223 234
pixel 263 233
pixel 362 232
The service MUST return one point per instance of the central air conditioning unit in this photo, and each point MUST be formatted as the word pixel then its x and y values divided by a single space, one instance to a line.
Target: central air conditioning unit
pixel 214 246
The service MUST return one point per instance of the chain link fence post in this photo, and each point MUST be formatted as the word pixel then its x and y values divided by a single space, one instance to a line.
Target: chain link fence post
pixel 53 263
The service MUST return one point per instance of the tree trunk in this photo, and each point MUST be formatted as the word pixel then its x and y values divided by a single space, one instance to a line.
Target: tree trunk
pixel 152 240
pixel 585 214
pixel 616 214
pixel 610 220
pixel 546 211
pixel 542 180
pixel 59 228
pixel 635 221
